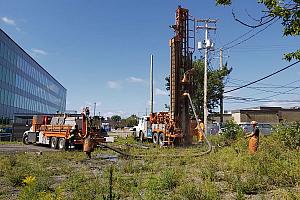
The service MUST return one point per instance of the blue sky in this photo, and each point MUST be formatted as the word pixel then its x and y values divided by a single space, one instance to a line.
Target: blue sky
pixel 100 50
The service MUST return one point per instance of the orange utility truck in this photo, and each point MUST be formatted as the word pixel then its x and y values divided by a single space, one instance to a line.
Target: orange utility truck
pixel 56 130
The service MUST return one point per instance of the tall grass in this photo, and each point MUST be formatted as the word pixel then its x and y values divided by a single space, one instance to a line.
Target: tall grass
pixel 161 173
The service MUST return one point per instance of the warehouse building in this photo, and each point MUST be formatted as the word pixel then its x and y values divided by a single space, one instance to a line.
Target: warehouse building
pixel 271 115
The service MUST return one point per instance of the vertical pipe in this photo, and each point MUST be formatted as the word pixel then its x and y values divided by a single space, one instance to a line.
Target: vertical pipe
pixel 151 83
pixel 205 79
pixel 221 98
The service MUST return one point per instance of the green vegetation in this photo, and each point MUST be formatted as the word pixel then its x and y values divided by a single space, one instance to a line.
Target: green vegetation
pixel 229 172
pixel 216 83
pixel 128 122
pixel 289 134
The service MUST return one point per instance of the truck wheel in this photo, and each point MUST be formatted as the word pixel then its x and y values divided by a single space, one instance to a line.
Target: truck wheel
pixel 161 139
pixel 53 143
pixel 155 138
pixel 62 144
pixel 25 139
pixel 141 136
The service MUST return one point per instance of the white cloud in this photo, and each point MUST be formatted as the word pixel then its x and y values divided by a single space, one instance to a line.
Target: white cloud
pixel 133 79
pixel 160 92
pixel 8 21
pixel 113 84
pixel 39 52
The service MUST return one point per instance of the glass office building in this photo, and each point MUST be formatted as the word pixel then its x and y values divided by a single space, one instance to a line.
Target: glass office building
pixel 25 86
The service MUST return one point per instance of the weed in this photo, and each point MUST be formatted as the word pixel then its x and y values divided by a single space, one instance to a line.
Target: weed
pixel 162 173
pixel 169 179
pixel 189 191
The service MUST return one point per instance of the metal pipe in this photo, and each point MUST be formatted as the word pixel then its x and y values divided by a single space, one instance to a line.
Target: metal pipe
pixel 205 80
pixel 151 83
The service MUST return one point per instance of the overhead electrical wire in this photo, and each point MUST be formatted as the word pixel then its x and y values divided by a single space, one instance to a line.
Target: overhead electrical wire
pixel 262 85
pixel 251 30
pixel 248 99
pixel 272 91
pixel 253 82
pixel 253 35
pixel 285 91
pixel 258 87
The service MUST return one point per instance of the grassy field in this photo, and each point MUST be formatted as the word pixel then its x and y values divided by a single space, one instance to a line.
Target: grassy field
pixel 229 172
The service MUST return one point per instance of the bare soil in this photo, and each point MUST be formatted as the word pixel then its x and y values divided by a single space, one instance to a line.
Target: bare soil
pixel 16 148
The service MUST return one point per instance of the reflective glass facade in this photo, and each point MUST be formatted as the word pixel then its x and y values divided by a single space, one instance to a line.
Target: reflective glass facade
pixel 26 87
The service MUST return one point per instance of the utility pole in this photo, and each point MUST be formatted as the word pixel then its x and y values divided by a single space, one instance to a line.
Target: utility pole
pixel 207 46
pixel 151 84
pixel 94 109
pixel 221 98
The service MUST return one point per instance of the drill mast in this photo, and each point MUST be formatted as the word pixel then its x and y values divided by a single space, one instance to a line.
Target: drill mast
pixel 181 65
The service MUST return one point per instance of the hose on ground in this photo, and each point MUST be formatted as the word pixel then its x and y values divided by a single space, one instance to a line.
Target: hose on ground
pixel 119 151
pixel 204 135
pixel 195 155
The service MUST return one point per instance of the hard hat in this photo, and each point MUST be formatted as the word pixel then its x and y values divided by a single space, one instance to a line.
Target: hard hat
pixel 253 122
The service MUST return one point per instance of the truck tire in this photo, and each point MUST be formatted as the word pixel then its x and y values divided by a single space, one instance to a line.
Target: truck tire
pixel 25 139
pixel 155 138
pixel 53 143
pixel 62 144
pixel 161 139
pixel 141 136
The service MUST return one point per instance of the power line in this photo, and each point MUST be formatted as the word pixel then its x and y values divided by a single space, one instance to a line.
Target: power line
pixel 267 85
pixel 272 91
pixel 285 91
pixel 238 37
pixel 263 77
pixel 258 87
pixel 247 99
pixel 261 30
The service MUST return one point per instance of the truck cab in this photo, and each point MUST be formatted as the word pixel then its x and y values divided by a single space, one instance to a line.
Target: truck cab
pixel 143 130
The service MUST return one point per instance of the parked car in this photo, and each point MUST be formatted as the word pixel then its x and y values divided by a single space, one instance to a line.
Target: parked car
pixel 264 128
pixel 213 129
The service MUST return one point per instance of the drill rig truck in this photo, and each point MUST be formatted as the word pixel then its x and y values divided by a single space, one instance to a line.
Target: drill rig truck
pixel 55 130
pixel 176 126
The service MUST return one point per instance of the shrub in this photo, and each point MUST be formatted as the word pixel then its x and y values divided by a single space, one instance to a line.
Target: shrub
pixel 232 130
pixel 289 134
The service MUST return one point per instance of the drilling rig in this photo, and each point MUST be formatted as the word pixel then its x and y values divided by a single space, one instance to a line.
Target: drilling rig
pixel 175 127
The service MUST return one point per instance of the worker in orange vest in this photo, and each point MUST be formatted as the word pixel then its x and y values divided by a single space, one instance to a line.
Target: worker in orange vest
pixel 200 128
pixel 254 138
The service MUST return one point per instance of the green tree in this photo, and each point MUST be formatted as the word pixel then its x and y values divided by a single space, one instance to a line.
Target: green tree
pixel 116 118
pixel 215 86
pixel 287 11
pixel 131 121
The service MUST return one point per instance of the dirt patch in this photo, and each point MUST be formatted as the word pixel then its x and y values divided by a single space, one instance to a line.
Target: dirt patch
pixel 16 148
